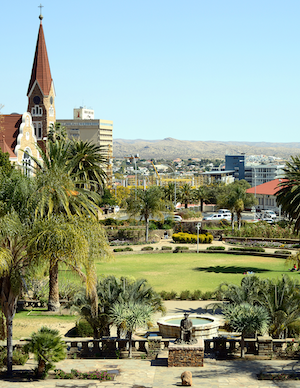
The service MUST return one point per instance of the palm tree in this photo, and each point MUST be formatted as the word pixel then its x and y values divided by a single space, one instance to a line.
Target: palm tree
pixel 72 241
pixel 246 319
pixel 146 203
pixel 130 316
pixel 15 266
pixel 288 195
pixel 88 163
pixel 186 194
pixel 201 195
pixel 169 192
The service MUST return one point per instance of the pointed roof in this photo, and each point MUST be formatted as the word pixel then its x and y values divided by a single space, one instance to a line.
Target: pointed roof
pixel 41 69
pixel 8 135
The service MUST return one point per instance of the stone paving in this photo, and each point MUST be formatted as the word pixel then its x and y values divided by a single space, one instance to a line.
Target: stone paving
pixel 154 374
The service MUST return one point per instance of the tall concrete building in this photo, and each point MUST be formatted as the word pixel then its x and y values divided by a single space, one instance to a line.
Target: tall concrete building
pixel 85 127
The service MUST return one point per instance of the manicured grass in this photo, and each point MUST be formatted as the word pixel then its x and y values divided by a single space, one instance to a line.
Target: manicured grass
pixel 189 271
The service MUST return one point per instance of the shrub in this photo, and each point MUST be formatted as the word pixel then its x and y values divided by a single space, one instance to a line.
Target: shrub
pixel 180 249
pixel 148 248
pixel 19 357
pixel 48 347
pixel 125 249
pixel 248 249
pixel 84 329
pixel 67 289
pixel 185 295
pixel 165 248
pixel 192 238
pixel 208 295
pixel 215 248
pixel 168 295
pixel 285 252
pixel 196 295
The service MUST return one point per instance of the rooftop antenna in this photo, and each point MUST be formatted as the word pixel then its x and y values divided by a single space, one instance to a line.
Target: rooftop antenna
pixel 41 16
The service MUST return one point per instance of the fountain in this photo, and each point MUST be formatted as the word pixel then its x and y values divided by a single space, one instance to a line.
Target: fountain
pixel 205 327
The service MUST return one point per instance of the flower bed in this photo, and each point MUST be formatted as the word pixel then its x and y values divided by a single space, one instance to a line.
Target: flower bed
pixel 77 375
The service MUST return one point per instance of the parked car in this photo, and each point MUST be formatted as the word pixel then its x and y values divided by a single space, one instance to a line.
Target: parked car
pixel 226 214
pixel 212 217
pixel 269 214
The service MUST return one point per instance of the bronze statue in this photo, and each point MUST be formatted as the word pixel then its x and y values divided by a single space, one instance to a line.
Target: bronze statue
pixel 186 329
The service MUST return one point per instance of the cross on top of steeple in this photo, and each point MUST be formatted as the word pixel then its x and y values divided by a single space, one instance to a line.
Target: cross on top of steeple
pixel 40 7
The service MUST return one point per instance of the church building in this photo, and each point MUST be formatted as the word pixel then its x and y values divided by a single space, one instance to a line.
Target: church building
pixel 19 133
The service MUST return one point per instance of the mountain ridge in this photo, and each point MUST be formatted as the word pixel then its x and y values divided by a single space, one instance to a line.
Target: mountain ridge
pixel 170 148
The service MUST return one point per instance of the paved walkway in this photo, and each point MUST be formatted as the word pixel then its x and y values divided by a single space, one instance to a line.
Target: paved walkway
pixel 154 374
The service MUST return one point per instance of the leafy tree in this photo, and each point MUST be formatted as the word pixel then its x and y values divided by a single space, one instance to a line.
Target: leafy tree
pixel 130 316
pixel 288 195
pixel 47 347
pixel 146 203
pixel 247 319
pixel 169 192
pixel 5 165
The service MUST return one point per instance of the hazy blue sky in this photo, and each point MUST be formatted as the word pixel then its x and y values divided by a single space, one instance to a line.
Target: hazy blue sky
pixel 192 70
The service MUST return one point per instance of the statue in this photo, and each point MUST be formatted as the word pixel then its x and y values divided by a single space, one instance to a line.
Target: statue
pixel 186 329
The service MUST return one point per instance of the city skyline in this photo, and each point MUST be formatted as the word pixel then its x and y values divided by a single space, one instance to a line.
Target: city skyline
pixel 190 71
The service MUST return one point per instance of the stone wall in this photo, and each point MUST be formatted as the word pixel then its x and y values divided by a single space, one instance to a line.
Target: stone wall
pixel 186 355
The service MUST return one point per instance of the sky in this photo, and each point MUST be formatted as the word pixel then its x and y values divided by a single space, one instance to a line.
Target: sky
pixel 224 70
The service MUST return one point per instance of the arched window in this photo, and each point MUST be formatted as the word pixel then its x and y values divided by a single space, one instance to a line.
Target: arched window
pixel 38 129
pixel 26 162
pixel 36 111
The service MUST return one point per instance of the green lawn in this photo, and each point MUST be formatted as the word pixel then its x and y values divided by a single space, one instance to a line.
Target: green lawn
pixel 182 271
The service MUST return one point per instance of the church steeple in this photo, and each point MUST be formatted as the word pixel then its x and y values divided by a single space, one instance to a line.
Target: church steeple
pixel 41 94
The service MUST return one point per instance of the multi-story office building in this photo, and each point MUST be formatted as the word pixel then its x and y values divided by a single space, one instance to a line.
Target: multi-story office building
pixel 263 173
pixel 86 127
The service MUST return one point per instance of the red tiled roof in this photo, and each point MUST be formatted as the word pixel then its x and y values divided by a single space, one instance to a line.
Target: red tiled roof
pixel 41 69
pixel 10 125
pixel 268 188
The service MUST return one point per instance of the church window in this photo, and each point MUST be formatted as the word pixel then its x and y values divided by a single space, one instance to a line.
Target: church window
pixel 38 130
pixel 51 111
pixel 36 111
pixel 26 162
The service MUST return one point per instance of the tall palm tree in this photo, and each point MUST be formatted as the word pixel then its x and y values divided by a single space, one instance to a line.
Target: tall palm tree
pixel 146 203
pixel 88 163
pixel 288 195
pixel 201 195
pixel 186 194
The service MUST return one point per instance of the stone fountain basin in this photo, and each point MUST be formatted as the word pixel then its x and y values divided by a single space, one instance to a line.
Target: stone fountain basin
pixel 204 326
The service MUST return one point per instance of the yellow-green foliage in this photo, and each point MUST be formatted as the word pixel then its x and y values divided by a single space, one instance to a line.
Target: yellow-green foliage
pixel 192 238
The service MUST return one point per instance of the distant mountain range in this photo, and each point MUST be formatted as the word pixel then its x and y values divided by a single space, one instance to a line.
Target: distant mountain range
pixel 170 148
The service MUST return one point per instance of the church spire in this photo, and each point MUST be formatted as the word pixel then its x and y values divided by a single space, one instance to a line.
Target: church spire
pixel 40 69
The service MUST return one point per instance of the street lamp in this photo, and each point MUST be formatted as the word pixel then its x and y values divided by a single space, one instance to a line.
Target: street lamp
pixel 173 169
pixel 198 226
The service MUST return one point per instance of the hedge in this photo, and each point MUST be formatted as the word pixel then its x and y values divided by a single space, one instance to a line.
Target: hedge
pixel 125 249
pixel 192 238
pixel 164 248
pixel 147 248
pixel 248 249
pixel 215 248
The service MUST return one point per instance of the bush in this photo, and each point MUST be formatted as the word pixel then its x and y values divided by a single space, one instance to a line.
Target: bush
pixel 185 295
pixel 180 249
pixel 125 249
pixel 148 248
pixel 84 329
pixel 190 238
pixel 196 295
pixel 164 248
pixel 208 295
pixel 285 252
pixel 215 248
pixel 168 295
pixel 248 249
pixel 19 357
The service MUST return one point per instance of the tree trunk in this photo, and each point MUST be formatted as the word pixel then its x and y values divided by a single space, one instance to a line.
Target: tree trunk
pixel 242 346
pixel 147 229
pixel 41 368
pixel 9 306
pixel 201 201
pixel 232 221
pixel 53 302
pixel 130 344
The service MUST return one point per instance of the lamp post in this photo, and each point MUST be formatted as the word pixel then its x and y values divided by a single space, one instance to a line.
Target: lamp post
pixel 198 226
pixel 173 169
